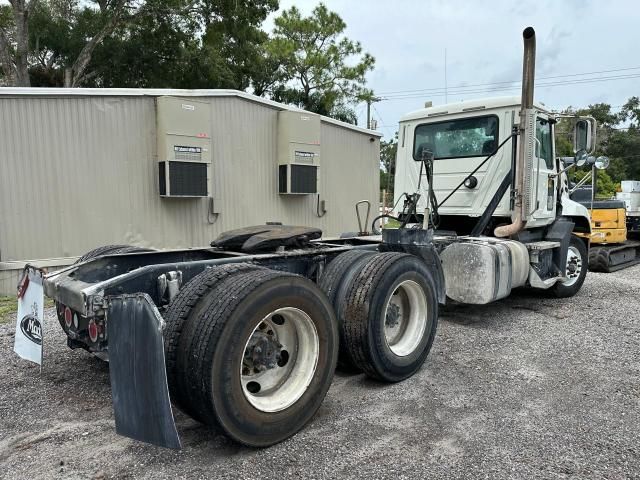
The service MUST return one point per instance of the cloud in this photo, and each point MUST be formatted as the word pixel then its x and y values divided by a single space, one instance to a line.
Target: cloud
pixel 484 45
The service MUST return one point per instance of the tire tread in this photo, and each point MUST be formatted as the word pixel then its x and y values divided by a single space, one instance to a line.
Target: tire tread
pixel 201 341
pixel 178 319
pixel 358 296
pixel 331 282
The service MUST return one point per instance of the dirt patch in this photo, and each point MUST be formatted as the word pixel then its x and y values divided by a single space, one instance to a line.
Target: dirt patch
pixel 528 387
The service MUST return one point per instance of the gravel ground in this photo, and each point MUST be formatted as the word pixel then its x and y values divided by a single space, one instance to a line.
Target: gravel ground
pixel 525 388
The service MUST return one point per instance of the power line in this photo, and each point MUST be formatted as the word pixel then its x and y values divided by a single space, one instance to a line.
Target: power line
pixel 547 84
pixel 509 82
pixel 379 116
pixel 504 89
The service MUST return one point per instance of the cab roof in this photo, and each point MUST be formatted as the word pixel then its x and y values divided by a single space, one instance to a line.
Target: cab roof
pixel 468 106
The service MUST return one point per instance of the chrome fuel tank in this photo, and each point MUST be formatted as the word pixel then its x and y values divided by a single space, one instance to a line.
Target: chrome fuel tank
pixel 480 270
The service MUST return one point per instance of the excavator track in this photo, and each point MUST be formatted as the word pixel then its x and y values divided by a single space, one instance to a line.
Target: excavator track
pixel 611 258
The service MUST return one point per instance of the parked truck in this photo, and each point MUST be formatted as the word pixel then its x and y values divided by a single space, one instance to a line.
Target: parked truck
pixel 246 334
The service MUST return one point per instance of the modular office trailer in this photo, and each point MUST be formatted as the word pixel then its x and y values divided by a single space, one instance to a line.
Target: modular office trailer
pixel 81 168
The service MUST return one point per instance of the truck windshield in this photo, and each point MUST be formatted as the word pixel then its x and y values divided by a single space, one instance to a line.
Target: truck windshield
pixel 465 137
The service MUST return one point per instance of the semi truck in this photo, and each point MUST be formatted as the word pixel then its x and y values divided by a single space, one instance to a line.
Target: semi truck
pixel 246 334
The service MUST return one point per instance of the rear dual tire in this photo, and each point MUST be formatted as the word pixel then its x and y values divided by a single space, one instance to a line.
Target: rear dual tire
pixel 335 280
pixel 220 329
pixel 219 319
pixel 387 310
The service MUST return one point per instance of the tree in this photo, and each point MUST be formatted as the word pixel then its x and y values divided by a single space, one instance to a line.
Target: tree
pixel 150 43
pixel 605 186
pixel 618 137
pixel 313 58
pixel 234 43
pixel 603 115
pixel 388 152
pixel 68 24
pixel 631 111
pixel 156 51
pixel 624 147
pixel 621 144
pixel 14 41
pixel 564 145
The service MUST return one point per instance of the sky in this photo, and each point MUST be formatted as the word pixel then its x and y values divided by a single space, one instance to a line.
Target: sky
pixel 483 44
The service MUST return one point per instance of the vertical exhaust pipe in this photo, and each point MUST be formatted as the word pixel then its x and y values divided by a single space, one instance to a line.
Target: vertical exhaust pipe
pixel 526 103
pixel 528 67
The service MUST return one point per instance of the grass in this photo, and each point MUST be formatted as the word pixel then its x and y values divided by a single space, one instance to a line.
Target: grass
pixel 391 223
pixel 8 306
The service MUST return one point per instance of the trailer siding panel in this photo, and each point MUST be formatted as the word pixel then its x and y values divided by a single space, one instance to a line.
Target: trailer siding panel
pixel 77 172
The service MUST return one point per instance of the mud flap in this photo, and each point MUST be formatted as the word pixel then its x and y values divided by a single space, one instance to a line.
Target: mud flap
pixel 137 368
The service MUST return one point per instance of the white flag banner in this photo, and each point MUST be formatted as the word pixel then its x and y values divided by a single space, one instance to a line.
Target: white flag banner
pixel 30 320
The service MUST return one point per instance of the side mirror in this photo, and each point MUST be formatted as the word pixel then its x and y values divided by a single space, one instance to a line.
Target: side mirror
pixel 581 157
pixel 601 163
pixel 583 135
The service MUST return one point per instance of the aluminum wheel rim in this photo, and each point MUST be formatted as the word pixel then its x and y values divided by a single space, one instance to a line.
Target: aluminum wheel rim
pixel 405 318
pixel 574 266
pixel 282 386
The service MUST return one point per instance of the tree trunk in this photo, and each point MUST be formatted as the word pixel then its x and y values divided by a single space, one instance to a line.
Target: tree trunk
pixel 84 57
pixel 21 60
pixel 6 60
pixel 68 77
pixel 22 50
pixel 16 64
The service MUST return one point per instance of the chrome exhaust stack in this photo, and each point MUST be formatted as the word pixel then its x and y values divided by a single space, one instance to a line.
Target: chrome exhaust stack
pixel 526 139
pixel 528 67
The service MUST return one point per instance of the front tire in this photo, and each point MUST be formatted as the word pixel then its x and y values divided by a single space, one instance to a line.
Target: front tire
pixel 576 269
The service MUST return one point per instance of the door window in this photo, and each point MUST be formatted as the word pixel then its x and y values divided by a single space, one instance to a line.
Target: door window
pixel 544 146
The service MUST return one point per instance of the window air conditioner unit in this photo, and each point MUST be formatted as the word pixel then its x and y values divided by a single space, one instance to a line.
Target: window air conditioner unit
pixel 184 147
pixel 298 152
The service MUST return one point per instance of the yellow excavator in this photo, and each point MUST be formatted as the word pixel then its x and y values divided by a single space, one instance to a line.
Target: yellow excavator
pixel 614 223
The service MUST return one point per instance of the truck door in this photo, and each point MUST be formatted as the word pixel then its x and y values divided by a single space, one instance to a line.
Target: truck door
pixel 544 187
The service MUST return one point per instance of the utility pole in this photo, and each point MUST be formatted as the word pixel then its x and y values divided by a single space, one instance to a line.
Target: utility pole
pixel 370 100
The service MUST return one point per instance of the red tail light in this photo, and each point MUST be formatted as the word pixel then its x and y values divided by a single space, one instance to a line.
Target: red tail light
pixel 93 331
pixel 68 317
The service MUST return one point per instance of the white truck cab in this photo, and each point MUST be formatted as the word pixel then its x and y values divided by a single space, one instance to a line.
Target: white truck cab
pixel 483 176
pixel 461 136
